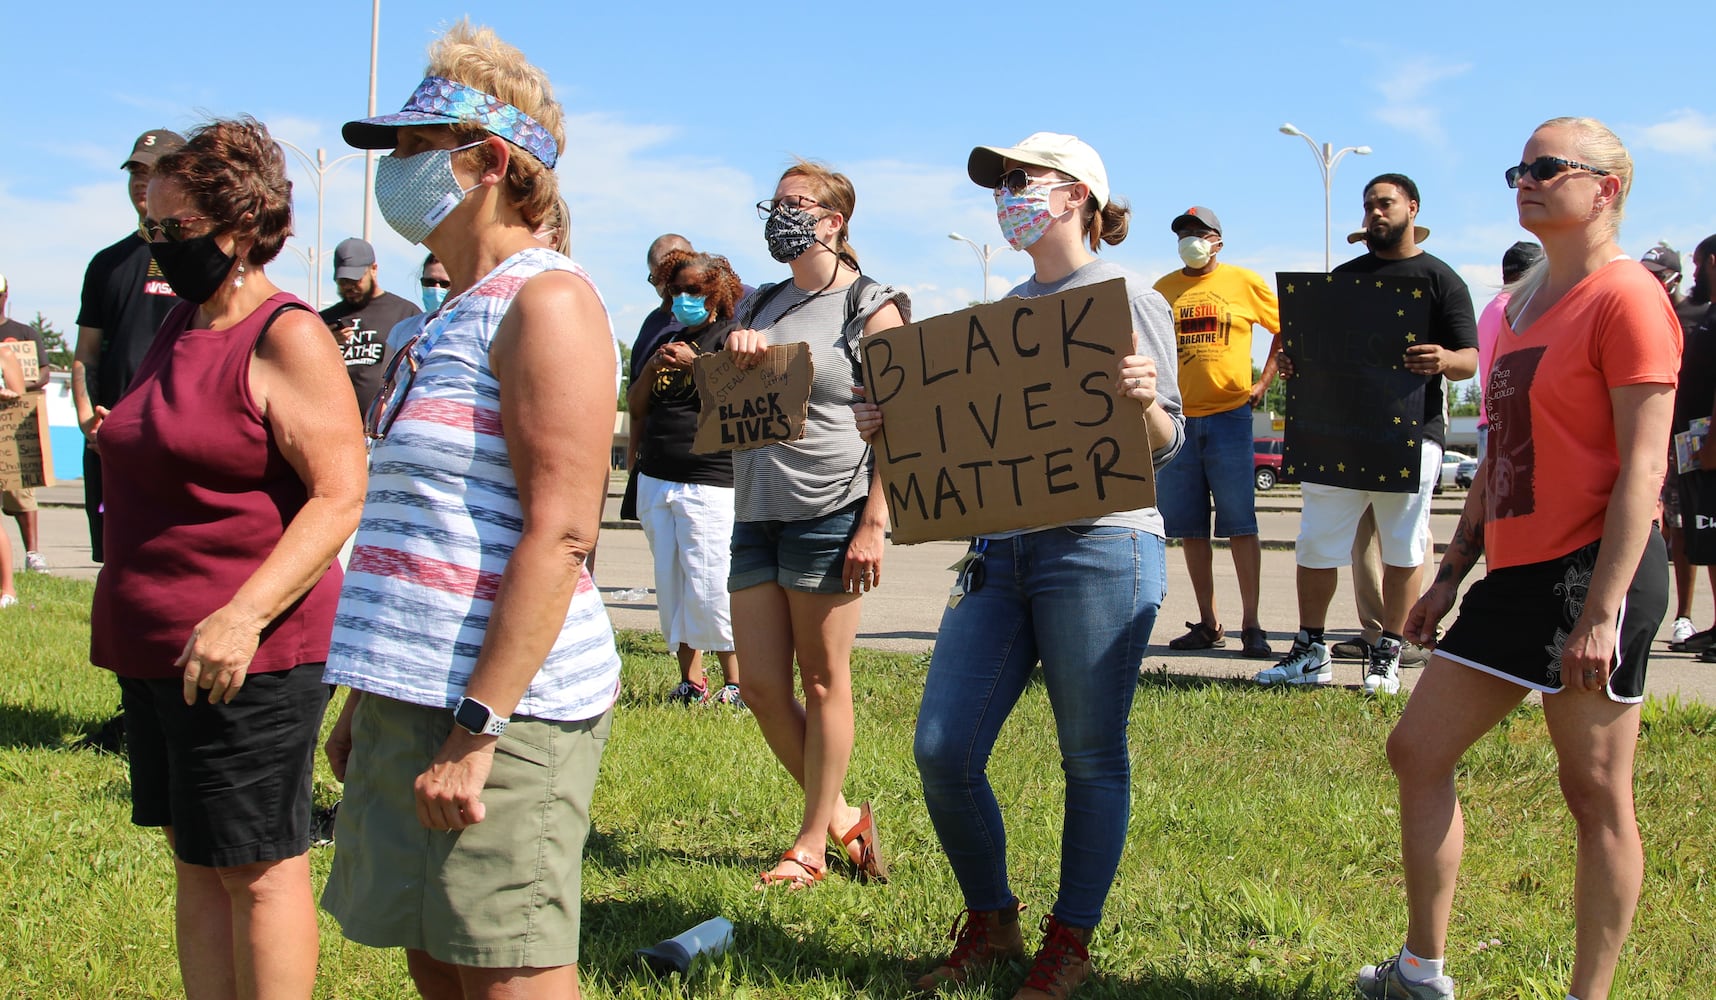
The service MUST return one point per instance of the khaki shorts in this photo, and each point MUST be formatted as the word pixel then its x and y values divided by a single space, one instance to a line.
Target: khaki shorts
pixel 17 501
pixel 501 894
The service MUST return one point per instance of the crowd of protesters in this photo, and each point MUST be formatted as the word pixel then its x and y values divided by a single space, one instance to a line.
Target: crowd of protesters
pixel 226 467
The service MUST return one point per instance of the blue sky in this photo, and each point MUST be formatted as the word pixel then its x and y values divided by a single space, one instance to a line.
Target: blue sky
pixel 680 117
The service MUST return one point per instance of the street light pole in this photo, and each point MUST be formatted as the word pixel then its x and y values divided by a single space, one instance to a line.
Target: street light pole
pixel 1327 158
pixel 985 254
pixel 320 166
pixel 369 154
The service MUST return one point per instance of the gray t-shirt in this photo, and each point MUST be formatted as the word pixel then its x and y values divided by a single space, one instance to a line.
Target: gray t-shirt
pixel 1153 333
pixel 829 467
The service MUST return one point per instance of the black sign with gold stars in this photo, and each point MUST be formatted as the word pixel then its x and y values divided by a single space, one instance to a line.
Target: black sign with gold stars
pixel 1354 413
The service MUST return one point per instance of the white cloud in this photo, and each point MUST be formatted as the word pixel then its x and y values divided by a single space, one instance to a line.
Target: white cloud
pixel 1406 105
pixel 1684 133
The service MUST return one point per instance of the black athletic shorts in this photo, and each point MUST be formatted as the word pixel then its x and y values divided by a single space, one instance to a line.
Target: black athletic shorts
pixel 233 781
pixel 1513 622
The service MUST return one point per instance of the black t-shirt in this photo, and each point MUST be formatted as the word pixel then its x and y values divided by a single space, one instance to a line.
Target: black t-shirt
pixel 1452 324
pixel 1697 389
pixel 361 333
pixel 126 297
pixel 672 422
pixel 650 337
pixel 25 334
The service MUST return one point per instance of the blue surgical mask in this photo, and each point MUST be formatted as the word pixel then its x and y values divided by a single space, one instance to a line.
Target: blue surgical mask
pixel 691 310
pixel 415 193
pixel 433 296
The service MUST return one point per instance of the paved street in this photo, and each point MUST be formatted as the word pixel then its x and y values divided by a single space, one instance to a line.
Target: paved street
pixel 904 613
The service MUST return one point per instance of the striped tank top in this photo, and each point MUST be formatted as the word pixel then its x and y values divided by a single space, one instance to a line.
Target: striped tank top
pixel 440 523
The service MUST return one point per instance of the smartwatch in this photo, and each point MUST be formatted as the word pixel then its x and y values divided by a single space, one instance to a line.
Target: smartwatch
pixel 477 718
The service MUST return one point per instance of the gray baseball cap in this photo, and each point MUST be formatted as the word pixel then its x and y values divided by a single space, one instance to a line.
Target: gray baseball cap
pixel 352 259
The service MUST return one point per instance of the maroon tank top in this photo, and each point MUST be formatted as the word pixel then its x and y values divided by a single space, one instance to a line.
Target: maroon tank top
pixel 197 495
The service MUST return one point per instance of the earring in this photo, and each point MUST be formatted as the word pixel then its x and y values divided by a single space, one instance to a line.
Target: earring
pixel 238 280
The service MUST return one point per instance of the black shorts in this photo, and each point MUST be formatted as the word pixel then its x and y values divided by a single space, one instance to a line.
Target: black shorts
pixel 233 781
pixel 1513 622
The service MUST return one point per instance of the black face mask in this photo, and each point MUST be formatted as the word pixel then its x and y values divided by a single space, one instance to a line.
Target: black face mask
pixel 194 267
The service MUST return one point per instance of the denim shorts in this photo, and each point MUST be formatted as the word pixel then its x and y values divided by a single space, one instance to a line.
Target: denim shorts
pixel 807 556
pixel 1216 464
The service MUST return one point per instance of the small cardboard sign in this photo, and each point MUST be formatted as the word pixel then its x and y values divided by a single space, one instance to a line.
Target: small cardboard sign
pixel 1008 415
pixel 26 353
pixel 26 457
pixel 1355 414
pixel 745 408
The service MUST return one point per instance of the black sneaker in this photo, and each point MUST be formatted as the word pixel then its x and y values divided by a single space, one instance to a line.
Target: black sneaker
pixel 1352 649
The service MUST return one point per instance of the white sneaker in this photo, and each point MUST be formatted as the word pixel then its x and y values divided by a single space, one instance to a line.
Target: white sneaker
pixel 1383 674
pixel 1306 662
pixel 1681 630
pixel 7 600
pixel 35 562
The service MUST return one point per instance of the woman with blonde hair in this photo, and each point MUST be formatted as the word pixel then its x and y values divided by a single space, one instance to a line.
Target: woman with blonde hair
pixel 811 518
pixel 1580 396
pixel 480 659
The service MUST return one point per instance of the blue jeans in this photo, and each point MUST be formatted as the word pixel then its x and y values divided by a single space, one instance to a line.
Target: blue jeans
pixel 1216 465
pixel 1082 600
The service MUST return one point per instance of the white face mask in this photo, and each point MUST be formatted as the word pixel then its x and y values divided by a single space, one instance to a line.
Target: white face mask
pixel 416 192
pixel 1196 251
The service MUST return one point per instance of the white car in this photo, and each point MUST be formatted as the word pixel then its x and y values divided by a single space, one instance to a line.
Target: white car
pixel 1451 468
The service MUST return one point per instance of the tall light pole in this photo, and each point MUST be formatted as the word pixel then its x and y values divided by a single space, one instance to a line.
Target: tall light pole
pixel 984 253
pixel 1327 157
pixel 320 167
pixel 369 154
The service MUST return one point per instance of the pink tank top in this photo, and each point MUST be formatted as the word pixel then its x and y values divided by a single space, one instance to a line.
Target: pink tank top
pixel 197 495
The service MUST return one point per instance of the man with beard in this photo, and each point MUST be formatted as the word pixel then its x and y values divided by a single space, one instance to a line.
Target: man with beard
pixel 1694 397
pixel 1330 516
pixel 360 321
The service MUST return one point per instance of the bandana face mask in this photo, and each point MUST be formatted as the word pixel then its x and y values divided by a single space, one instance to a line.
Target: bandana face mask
pixel 1025 217
pixel 789 233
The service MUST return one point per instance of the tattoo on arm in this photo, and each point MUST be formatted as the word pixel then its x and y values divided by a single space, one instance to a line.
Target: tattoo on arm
pixel 1463 552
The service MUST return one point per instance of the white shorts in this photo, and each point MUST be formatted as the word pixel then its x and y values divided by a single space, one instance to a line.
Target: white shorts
pixel 690 533
pixel 1331 515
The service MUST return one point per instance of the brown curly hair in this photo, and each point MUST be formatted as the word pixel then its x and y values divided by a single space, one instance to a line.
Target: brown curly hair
pixel 235 171
pixel 706 274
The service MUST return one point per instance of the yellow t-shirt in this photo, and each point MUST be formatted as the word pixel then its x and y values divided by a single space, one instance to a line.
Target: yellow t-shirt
pixel 1213 316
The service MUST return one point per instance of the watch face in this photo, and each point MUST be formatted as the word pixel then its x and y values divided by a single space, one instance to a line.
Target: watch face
pixel 472 715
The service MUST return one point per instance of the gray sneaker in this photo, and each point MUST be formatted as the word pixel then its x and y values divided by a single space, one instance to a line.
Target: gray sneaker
pixel 1306 662
pixel 1383 981
pixel 1382 676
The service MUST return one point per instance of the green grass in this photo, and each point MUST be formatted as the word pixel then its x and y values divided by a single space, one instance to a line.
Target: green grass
pixel 1262 863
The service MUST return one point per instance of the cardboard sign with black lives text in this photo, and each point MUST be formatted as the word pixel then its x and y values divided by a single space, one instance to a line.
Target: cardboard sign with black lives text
pixel 1008 416
pixel 26 458
pixel 744 408
pixel 1354 412
pixel 25 350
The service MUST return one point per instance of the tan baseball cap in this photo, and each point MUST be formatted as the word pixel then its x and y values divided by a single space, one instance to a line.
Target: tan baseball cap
pixel 1419 235
pixel 1066 153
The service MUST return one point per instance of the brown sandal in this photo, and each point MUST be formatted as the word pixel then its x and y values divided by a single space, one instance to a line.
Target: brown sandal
pixel 814 871
pixel 868 860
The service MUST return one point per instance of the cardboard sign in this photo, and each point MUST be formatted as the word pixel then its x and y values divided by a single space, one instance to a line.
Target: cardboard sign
pixel 26 352
pixel 745 408
pixel 1008 416
pixel 1354 412
pixel 26 457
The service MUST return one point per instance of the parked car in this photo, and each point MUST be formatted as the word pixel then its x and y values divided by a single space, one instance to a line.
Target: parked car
pixel 1451 469
pixel 1463 475
pixel 1268 461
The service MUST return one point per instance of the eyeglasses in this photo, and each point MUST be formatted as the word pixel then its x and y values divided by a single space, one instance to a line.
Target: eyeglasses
pixel 1545 167
pixel 172 229
pixel 395 386
pixel 436 282
pixel 1015 182
pixel 766 207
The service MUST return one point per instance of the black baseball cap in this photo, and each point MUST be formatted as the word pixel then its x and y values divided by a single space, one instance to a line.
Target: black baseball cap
pixel 352 259
pixel 1198 214
pixel 1519 257
pixel 151 146
pixel 1661 257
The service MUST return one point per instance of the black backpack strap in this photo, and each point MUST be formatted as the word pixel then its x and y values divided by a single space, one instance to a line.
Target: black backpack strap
pixel 755 302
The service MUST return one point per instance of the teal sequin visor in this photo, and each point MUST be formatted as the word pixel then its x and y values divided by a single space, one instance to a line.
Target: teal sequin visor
pixel 439 101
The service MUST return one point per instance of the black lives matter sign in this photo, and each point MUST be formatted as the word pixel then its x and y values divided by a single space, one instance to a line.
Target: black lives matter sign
pixel 1354 412
pixel 1008 416
pixel 745 408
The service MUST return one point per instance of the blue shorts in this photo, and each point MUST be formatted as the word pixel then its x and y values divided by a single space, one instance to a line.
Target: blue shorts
pixel 807 556
pixel 1216 463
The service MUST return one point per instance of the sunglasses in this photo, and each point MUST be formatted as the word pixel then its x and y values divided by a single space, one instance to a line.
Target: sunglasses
pixel 767 206
pixel 395 386
pixel 436 282
pixel 172 229
pixel 1545 167
pixel 1015 181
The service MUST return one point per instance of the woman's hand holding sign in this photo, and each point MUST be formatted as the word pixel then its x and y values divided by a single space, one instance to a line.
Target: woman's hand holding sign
pixel 747 347
pixel 1138 379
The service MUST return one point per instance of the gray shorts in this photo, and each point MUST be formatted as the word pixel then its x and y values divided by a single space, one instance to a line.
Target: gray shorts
pixel 501 894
